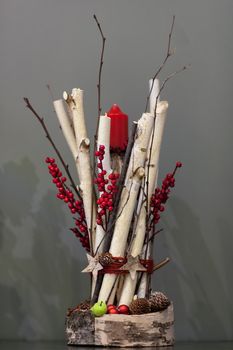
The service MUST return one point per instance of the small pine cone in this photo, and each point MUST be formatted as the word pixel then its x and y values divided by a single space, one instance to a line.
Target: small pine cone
pixel 139 306
pixel 84 306
pixel 105 259
pixel 158 301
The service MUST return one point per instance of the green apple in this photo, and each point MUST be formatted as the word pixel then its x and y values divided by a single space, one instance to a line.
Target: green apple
pixel 99 308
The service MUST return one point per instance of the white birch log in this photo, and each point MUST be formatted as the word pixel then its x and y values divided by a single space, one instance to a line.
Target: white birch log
pixel 103 138
pixel 129 195
pixel 64 121
pixel 154 94
pixel 75 103
pixel 137 244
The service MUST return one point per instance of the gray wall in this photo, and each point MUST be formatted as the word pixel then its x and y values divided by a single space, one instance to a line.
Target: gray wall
pixel 57 42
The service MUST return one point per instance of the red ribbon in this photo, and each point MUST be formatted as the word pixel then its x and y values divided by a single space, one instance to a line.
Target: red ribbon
pixel 118 262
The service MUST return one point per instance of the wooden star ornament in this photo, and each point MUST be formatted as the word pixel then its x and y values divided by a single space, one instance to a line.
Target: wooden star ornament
pixel 133 265
pixel 93 266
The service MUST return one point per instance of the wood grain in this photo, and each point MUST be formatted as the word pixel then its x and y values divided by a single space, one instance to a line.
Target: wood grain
pixel 148 330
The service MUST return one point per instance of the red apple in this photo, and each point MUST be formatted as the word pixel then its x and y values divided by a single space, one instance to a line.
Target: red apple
pixel 113 311
pixel 123 309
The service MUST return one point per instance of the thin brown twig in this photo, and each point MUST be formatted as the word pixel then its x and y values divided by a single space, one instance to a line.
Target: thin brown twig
pixel 100 71
pixel 50 92
pixel 154 234
pixel 48 136
pixel 161 264
pixel 169 53
pixel 98 115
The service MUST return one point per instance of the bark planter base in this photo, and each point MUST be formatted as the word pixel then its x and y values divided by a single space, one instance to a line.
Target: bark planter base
pixel 148 330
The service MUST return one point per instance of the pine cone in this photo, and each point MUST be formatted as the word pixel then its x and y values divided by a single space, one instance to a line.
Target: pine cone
pixel 139 306
pixel 85 305
pixel 158 301
pixel 105 259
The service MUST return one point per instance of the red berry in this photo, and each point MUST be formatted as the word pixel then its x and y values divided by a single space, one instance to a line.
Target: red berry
pixel 179 164
pixel 47 160
pixel 111 307
pixel 113 311
pixel 123 309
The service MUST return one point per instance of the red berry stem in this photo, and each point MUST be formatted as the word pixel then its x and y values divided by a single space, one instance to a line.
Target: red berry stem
pixel 75 206
pixel 157 202
pixel 161 195
pixel 66 167
pixel 107 188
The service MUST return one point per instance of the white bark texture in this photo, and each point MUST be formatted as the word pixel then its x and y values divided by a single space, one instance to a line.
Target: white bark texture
pixel 103 138
pixel 75 103
pixel 137 244
pixel 129 195
pixel 135 331
pixel 66 127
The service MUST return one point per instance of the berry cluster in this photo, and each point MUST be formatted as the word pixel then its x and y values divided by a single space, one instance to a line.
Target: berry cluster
pixel 106 186
pixel 121 309
pixel 75 206
pixel 161 195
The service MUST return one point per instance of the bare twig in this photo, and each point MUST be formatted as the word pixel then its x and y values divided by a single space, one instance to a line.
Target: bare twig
pixel 161 264
pixel 100 72
pixel 98 113
pixel 154 234
pixel 169 53
pixel 66 167
pixel 50 91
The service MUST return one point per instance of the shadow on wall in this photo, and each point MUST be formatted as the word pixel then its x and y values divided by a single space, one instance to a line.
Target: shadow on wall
pixel 193 279
pixel 40 281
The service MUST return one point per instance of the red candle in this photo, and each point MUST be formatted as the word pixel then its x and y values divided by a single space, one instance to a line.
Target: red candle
pixel 119 129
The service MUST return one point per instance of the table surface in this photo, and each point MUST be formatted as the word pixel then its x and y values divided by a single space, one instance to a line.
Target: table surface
pixel 15 345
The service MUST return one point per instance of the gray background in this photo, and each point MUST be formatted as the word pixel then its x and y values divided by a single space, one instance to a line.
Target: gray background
pixel 57 42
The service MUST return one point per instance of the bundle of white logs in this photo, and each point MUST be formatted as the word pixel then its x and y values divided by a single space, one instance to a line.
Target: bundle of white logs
pixel 146 148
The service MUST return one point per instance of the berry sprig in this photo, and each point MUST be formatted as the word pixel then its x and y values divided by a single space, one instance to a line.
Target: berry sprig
pixel 75 206
pixel 160 196
pixel 107 187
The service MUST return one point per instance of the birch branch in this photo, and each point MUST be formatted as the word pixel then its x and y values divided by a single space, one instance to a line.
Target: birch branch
pixel 75 103
pixel 64 121
pixel 128 290
pixel 129 195
pixel 103 139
